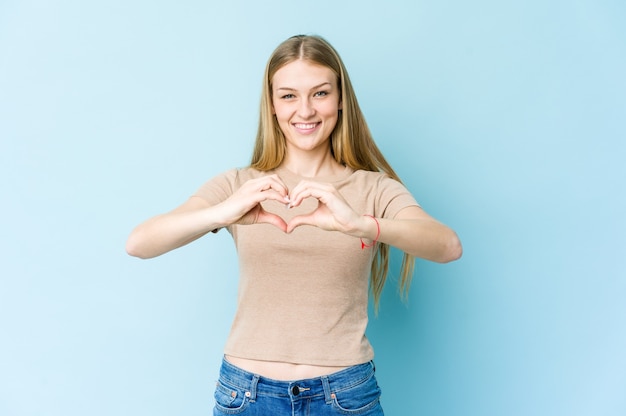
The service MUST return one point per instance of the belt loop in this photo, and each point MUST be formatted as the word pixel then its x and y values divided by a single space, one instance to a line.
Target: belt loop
pixel 253 385
pixel 327 394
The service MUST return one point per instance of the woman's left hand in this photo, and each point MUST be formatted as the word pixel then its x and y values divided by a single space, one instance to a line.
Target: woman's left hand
pixel 412 230
pixel 332 213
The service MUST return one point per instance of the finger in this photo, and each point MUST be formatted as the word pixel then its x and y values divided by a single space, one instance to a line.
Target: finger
pixel 310 190
pixel 271 195
pixel 300 220
pixel 266 183
pixel 275 183
pixel 269 218
pixel 242 203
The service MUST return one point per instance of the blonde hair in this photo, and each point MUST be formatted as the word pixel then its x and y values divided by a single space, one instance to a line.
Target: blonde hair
pixel 351 141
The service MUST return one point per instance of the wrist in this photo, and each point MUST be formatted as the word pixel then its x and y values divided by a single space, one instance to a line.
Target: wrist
pixel 373 232
pixel 216 217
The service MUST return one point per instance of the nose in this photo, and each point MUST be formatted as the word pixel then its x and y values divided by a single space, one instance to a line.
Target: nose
pixel 306 109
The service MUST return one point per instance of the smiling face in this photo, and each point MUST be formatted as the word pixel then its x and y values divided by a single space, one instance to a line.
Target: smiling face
pixel 306 102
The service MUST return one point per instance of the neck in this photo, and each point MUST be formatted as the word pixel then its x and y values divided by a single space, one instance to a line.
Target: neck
pixel 310 166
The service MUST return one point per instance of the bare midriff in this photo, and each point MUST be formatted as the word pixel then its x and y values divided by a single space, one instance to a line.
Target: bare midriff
pixel 282 371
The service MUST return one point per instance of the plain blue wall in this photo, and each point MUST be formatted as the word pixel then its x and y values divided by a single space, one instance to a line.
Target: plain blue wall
pixel 505 119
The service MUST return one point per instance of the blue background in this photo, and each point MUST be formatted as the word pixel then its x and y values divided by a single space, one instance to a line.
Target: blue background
pixel 506 119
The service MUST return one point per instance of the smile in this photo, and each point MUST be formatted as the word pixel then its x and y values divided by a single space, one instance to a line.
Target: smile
pixel 305 126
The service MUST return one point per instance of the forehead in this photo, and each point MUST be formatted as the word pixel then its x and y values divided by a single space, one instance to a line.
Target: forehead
pixel 301 74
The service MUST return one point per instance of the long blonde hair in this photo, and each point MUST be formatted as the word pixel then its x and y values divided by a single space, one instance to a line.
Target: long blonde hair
pixel 351 141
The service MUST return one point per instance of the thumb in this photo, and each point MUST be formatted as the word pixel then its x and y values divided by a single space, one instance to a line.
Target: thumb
pixel 300 220
pixel 273 219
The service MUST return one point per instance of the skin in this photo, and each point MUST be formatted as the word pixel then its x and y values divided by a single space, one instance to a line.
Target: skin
pixel 306 102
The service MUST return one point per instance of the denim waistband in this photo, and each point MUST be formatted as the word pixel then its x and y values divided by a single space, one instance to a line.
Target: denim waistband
pixel 326 386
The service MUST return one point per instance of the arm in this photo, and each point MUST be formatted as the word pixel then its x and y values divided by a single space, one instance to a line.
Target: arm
pixel 169 231
pixel 197 217
pixel 416 233
pixel 412 230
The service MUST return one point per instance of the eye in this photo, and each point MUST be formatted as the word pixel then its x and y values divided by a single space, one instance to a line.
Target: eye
pixel 321 94
pixel 288 96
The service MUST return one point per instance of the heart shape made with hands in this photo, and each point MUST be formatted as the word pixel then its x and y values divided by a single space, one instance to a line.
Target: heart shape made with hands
pixel 314 217
pixel 316 204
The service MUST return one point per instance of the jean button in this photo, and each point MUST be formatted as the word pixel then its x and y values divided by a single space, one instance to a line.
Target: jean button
pixel 295 390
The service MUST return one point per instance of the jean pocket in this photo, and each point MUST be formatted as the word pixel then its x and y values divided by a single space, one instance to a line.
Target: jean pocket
pixel 361 399
pixel 230 400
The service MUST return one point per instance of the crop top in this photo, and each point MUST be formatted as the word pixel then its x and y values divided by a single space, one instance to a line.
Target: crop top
pixel 303 296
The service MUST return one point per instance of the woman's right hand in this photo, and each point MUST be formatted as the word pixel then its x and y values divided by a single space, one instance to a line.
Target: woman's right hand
pixel 244 206
pixel 196 217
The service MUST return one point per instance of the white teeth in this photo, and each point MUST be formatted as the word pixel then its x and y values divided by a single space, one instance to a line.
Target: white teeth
pixel 305 126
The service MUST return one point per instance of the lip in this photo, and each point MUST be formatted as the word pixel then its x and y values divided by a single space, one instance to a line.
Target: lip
pixel 306 128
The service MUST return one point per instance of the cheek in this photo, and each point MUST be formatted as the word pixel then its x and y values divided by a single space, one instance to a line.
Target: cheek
pixel 279 110
pixel 280 116
pixel 331 110
pixel 332 106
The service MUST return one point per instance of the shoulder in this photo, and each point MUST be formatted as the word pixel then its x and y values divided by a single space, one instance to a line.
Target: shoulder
pixel 387 194
pixel 246 173
pixel 370 179
pixel 237 175
pixel 224 184
pixel 368 174
pixel 371 183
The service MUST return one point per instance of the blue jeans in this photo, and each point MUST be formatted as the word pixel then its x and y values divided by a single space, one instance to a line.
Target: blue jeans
pixel 352 391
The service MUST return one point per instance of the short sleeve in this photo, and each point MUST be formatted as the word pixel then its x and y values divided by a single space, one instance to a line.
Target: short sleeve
pixel 219 188
pixel 393 197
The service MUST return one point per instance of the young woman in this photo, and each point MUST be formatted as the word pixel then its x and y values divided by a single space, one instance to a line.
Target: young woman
pixel 312 218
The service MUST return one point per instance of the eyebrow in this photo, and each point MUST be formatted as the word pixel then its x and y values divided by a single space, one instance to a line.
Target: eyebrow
pixel 312 88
